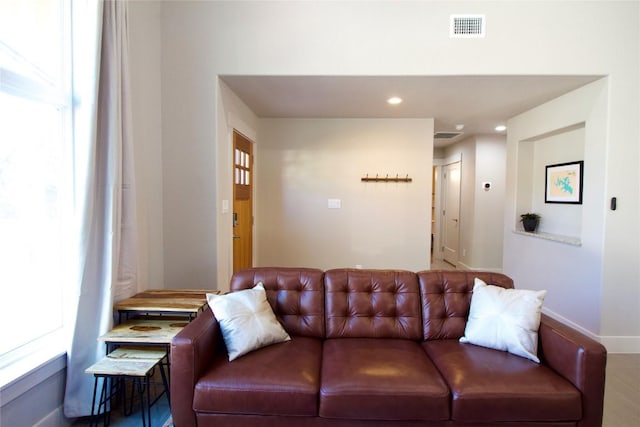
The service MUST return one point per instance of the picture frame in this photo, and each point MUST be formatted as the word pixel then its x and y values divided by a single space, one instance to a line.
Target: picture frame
pixel 563 183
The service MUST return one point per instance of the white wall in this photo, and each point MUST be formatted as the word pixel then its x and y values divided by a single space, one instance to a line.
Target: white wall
pixel 201 40
pixel 568 272
pixel 491 165
pixel 146 97
pixel 189 91
pixel 304 162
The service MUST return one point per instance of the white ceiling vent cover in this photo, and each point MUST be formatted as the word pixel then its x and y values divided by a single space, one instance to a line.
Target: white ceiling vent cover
pixel 446 135
pixel 467 26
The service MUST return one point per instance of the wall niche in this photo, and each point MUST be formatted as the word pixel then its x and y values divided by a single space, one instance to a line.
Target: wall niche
pixel 559 222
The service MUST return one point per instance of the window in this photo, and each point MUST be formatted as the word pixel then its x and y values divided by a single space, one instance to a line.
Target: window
pixel 35 172
pixel 242 170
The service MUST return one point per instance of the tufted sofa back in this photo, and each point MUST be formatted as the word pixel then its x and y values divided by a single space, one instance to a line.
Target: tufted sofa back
pixel 446 298
pixel 432 304
pixel 295 294
pixel 372 304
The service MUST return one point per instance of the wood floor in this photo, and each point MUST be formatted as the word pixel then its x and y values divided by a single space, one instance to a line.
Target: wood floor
pixel 438 264
pixel 160 412
pixel 622 391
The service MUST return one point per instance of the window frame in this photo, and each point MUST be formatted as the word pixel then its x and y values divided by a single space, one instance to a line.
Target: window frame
pixel 33 361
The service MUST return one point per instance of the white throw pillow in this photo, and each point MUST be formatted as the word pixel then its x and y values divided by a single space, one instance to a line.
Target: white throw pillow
pixel 505 319
pixel 246 320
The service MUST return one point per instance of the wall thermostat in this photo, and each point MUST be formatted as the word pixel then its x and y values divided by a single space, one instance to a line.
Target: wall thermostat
pixel 486 186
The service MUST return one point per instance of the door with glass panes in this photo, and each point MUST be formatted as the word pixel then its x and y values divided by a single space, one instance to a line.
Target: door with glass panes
pixel 242 202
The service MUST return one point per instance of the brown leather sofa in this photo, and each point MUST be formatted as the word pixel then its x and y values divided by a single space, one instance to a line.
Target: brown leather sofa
pixel 380 348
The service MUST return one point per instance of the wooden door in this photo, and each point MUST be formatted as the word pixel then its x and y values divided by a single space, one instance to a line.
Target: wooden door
pixel 451 212
pixel 242 202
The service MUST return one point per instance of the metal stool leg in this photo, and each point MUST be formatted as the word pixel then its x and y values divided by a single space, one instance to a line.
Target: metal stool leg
pixel 102 403
pixel 93 402
pixel 114 370
pixel 165 383
pixel 148 386
pixel 143 408
pixel 129 411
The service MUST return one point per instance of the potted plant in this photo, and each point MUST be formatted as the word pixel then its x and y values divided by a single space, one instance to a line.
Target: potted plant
pixel 530 221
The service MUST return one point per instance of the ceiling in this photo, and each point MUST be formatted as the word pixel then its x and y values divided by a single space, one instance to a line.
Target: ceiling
pixel 478 102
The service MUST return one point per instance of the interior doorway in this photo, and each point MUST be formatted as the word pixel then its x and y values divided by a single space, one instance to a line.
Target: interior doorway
pixel 451 212
pixel 446 222
pixel 242 202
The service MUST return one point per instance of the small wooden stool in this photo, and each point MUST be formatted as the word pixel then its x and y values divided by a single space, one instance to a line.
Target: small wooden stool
pixel 127 362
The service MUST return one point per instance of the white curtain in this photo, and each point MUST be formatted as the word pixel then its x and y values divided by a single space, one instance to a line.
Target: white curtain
pixel 105 203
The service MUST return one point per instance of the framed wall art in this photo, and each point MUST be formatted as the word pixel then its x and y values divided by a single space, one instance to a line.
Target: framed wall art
pixel 563 183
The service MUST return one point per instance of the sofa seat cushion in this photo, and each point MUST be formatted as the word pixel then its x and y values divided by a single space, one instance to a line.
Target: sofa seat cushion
pixel 281 379
pixel 494 386
pixel 383 379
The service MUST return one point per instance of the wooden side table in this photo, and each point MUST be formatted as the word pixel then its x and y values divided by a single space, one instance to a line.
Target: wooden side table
pixel 184 302
pixel 122 363
pixel 144 331
pixel 147 332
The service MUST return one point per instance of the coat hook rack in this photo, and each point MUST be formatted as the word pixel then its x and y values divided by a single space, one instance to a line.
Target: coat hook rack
pixel 386 178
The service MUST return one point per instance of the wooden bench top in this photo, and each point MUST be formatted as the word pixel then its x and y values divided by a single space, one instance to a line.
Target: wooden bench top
pixel 134 362
pixel 144 331
pixel 166 300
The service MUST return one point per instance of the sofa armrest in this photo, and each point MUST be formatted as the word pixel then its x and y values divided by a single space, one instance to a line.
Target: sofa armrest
pixel 192 351
pixel 579 359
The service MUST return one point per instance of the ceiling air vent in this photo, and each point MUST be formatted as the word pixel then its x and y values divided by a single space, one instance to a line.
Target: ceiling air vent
pixel 467 26
pixel 446 135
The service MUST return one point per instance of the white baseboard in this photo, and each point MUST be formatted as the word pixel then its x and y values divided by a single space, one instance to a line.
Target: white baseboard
pixel 568 322
pixel 55 418
pixel 463 266
pixel 613 344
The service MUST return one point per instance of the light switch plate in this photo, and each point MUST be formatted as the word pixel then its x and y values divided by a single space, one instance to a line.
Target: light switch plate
pixel 334 203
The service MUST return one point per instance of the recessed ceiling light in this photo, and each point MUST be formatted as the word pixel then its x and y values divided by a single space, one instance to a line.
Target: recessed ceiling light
pixel 500 128
pixel 459 127
pixel 394 100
